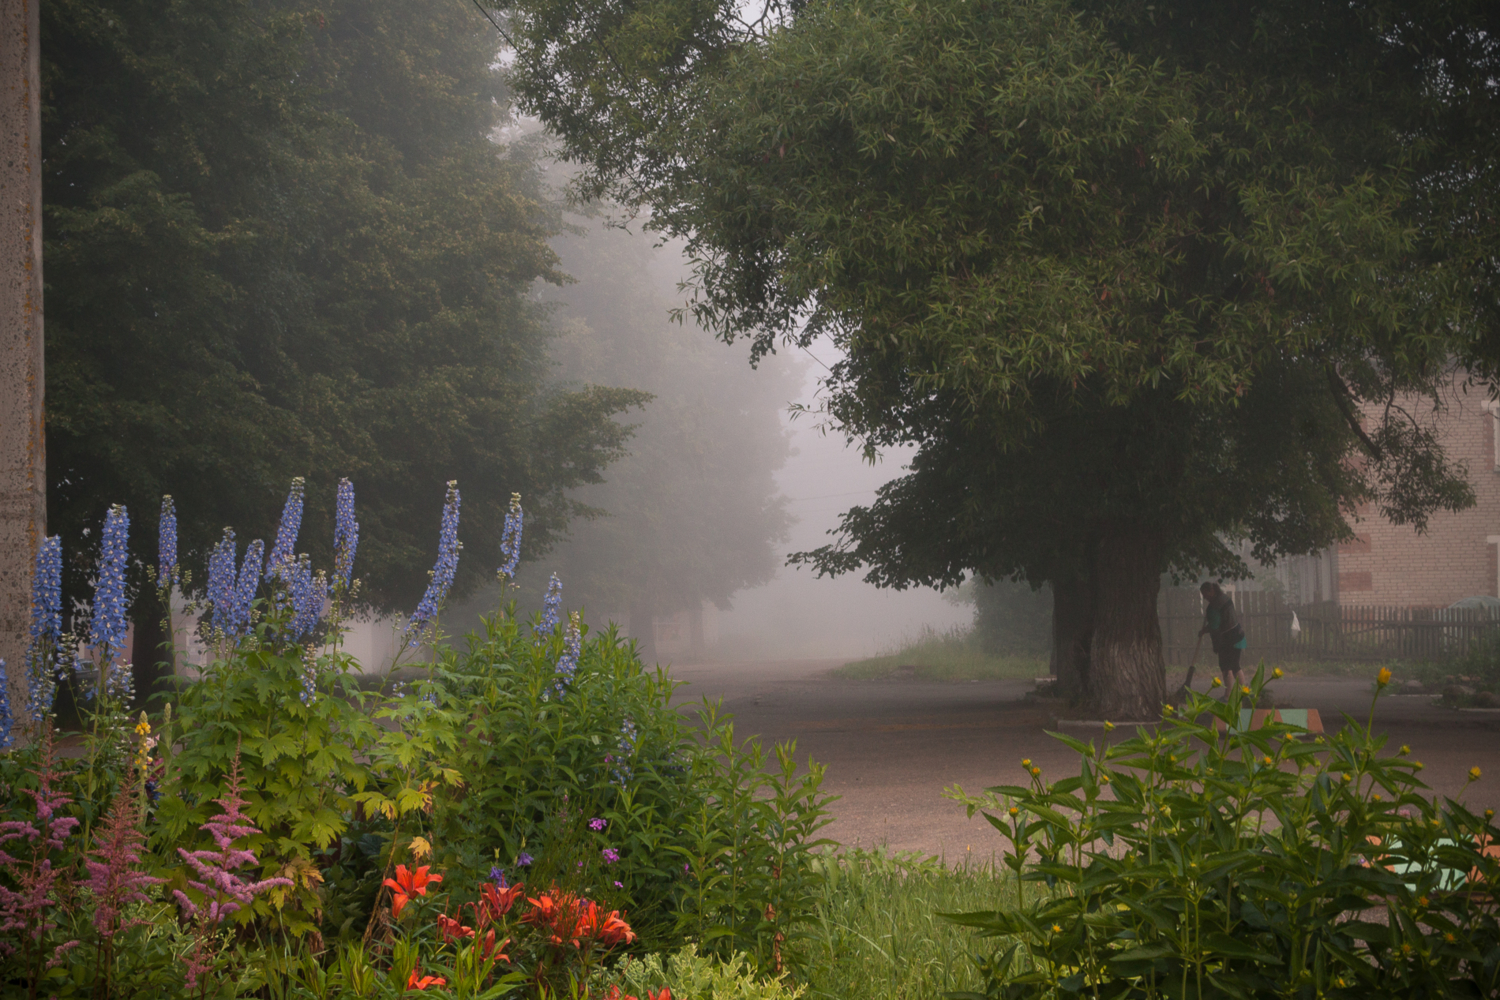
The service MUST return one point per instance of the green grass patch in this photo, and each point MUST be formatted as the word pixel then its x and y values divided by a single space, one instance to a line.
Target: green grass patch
pixel 950 655
pixel 877 934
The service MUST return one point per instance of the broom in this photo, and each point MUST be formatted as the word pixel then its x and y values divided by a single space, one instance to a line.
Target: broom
pixel 1182 692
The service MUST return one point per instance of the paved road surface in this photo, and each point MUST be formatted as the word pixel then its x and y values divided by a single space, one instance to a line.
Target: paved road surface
pixel 893 746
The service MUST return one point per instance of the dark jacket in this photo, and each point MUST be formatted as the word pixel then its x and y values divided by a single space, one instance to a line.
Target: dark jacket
pixel 1223 623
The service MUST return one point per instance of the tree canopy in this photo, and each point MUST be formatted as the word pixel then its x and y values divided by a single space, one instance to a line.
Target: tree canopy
pixel 281 241
pixel 1123 271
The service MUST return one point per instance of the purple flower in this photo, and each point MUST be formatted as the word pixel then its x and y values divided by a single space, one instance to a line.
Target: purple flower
pixel 523 859
pixel 5 718
pixel 245 587
pixel 610 855
pixel 510 538
pixel 307 593
pixel 221 582
pixel 497 876
pixel 597 825
pixel 442 573
pixel 345 537
pixel 108 627
pixel 551 607
pixel 46 626
pixel 567 664
pixel 283 552
pixel 167 570
pixel 619 885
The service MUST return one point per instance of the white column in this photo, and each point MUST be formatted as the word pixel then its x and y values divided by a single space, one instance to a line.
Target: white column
pixel 23 460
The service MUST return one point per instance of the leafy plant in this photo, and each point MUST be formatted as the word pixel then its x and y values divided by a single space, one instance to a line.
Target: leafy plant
pixel 1240 862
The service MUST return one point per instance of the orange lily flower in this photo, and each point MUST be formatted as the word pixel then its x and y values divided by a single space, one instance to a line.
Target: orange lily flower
pixel 451 929
pixel 490 951
pixel 417 981
pixel 498 902
pixel 665 994
pixel 407 884
pixel 614 930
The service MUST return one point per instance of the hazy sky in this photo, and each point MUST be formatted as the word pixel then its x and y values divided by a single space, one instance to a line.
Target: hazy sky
pixel 797 615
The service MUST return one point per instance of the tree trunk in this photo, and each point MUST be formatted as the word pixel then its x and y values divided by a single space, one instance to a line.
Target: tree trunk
pixel 1127 677
pixel 1072 636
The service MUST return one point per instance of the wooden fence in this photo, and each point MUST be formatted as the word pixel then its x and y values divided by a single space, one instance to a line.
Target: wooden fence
pixel 1328 631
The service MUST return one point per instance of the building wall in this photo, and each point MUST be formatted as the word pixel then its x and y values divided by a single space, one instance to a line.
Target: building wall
pixel 1459 555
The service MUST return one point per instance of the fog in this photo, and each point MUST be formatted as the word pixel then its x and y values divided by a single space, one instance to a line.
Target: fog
pixel 798 615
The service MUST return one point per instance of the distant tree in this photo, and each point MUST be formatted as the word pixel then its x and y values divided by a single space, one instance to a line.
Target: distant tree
pixel 1012 618
pixel 281 241
pixel 693 514
pixel 1122 274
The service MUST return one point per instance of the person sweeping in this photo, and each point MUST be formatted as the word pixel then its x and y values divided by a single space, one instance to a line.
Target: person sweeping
pixel 1221 623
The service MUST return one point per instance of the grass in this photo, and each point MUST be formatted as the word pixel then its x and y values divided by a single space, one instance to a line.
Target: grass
pixel 950 655
pixel 878 935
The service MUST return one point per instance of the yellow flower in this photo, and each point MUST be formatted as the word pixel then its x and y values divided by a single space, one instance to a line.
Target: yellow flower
pixel 1166 710
pixel 1026 763
pixel 1036 771
pixel 1421 900
pixel 1383 677
pixel 1103 779
pixel 1244 689
pixel 1376 796
pixel 1057 928
pixel 1489 814
pixel 1347 777
pixel 1014 811
pixel 1276 672
pixel 1217 683
pixel 1416 765
pixel 1449 937
pixel 143 728
pixel 1266 761
pixel 1403 751
pixel 1473 774
pixel 1108 726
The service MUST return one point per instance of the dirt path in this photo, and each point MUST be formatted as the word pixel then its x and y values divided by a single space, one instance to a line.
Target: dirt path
pixel 891 747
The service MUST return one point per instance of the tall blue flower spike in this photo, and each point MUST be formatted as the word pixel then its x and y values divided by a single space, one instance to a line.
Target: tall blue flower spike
pixel 442 572
pixel 5 719
pixel 345 537
pixel 221 563
pixel 551 607
pixel 567 664
pixel 43 654
pixel 510 539
pixel 284 551
pixel 245 587
pixel 167 571
pixel 109 624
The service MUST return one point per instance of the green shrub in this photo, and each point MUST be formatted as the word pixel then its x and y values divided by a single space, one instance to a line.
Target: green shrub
pixel 691 976
pixel 1257 863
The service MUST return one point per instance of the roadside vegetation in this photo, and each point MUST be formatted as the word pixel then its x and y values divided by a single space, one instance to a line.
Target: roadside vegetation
pixel 952 654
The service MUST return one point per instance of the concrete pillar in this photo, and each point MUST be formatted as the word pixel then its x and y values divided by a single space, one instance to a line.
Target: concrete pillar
pixel 23 460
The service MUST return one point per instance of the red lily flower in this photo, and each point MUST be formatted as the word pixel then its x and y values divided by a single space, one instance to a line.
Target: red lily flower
pixel 490 951
pixel 417 981
pixel 407 884
pixel 498 902
pixel 451 929
pixel 614 930
pixel 665 994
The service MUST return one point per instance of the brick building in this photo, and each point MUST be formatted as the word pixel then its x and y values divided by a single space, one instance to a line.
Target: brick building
pixel 1459 554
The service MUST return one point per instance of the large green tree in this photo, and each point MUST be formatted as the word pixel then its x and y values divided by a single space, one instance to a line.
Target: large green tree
pixel 282 241
pixel 1123 273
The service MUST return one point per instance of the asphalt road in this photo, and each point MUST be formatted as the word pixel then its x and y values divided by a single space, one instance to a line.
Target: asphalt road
pixel 893 746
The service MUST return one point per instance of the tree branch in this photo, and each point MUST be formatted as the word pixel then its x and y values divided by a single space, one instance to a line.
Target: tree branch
pixel 1345 400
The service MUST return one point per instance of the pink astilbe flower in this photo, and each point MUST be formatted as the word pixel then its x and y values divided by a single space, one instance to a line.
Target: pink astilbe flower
pixel 30 891
pixel 113 874
pixel 223 891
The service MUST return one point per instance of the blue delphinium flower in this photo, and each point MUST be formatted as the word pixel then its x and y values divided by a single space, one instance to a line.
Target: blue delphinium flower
pixel 46 627
pixel 510 539
pixel 567 664
pixel 308 591
pixel 284 551
pixel 221 563
pixel 523 859
pixel 497 876
pixel 309 675
pixel 167 571
pixel 442 572
pixel 551 607
pixel 345 537
pixel 5 719
pixel 245 587
pixel 108 625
